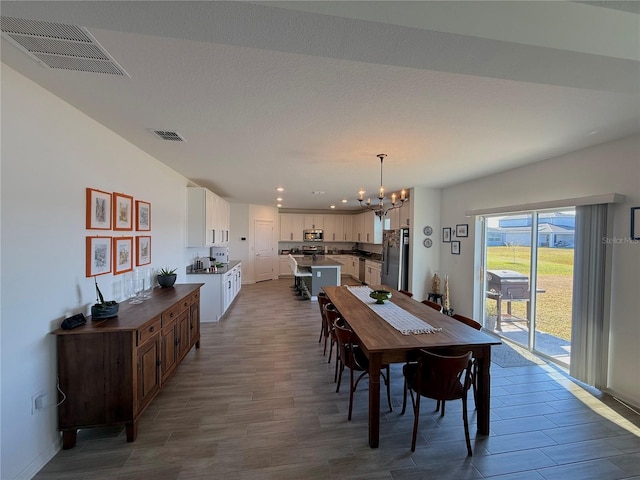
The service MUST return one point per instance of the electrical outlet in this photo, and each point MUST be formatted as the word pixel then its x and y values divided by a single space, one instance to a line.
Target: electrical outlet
pixel 38 402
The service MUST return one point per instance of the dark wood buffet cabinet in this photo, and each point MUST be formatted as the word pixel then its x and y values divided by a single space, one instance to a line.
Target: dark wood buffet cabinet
pixel 110 370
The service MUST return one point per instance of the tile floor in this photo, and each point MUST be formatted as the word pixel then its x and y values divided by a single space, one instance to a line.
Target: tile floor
pixel 257 401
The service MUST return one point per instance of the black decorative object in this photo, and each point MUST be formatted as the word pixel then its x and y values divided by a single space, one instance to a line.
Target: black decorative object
pixel 102 310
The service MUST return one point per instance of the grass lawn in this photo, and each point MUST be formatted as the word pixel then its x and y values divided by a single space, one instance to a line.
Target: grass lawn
pixel 555 277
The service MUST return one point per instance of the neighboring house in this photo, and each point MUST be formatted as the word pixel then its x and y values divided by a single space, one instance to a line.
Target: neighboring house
pixel 555 229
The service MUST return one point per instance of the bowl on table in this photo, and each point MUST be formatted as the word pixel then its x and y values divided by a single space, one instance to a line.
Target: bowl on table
pixel 380 295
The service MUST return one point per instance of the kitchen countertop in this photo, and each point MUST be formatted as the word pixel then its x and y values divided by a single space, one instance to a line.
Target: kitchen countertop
pixel 375 257
pixel 309 261
pixel 220 270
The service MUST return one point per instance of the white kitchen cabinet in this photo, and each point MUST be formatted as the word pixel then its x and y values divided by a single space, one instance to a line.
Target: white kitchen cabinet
pixel 354 266
pixel 313 222
pixel 399 217
pixel 367 228
pixel 372 272
pixel 347 227
pixel 218 292
pixel 333 228
pixel 283 266
pixel 207 218
pixel 291 227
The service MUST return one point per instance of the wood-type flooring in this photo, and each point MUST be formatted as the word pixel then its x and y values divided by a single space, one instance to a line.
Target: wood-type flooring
pixel 258 401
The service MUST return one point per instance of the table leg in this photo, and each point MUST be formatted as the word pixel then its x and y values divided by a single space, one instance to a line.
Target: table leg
pixel 374 400
pixel 484 391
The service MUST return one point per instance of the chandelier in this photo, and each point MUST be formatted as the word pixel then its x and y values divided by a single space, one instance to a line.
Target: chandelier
pixel 381 209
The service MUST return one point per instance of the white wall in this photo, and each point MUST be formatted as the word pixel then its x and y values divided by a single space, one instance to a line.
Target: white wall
pixel 425 208
pixel 608 168
pixel 243 217
pixel 50 154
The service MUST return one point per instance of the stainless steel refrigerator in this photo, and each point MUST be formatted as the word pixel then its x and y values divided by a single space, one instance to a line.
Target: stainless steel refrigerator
pixel 395 258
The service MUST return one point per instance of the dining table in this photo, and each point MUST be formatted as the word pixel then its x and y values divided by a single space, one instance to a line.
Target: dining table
pixel 384 344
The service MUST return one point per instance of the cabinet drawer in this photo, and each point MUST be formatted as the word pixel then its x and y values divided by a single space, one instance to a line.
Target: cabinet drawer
pixel 173 312
pixel 195 297
pixel 149 330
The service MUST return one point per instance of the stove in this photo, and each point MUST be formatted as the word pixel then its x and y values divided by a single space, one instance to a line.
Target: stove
pixel 312 250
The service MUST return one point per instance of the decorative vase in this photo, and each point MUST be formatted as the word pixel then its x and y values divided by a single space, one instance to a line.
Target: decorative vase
pixel 167 280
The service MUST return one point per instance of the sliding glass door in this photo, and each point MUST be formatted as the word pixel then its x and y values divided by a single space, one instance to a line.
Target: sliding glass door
pixel 528 275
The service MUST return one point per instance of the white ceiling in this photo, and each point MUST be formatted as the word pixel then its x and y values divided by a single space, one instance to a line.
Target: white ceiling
pixel 305 94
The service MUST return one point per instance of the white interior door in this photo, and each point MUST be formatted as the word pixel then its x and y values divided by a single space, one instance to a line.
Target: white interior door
pixel 263 250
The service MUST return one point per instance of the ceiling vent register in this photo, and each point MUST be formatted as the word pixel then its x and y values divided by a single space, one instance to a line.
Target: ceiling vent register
pixel 168 135
pixel 56 45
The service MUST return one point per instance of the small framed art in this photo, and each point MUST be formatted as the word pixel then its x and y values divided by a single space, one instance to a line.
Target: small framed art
pixel 143 216
pixel 143 250
pixel 635 223
pixel 98 256
pixel 455 247
pixel 122 255
pixel 462 230
pixel 98 209
pixel 446 234
pixel 122 211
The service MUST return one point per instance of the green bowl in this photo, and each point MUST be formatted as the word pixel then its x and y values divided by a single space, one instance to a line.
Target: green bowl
pixel 380 295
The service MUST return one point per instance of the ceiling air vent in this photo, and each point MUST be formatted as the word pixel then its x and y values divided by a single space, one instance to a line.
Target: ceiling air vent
pixel 168 135
pixel 56 45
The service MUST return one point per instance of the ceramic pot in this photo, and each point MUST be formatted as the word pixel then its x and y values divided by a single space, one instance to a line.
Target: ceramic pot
pixel 167 280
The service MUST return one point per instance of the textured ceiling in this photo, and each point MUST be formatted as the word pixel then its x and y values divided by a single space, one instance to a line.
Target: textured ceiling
pixel 305 94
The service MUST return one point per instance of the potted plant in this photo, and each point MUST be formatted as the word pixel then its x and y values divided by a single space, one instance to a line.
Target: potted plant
pixel 166 277
pixel 102 309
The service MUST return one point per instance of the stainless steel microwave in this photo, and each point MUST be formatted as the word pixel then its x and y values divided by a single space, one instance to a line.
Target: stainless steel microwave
pixel 313 235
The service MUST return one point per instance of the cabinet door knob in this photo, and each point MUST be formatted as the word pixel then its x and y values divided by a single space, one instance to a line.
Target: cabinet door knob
pixel 152 328
pixel 171 314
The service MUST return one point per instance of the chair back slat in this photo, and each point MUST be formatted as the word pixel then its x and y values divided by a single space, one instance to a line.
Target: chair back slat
pixel 439 377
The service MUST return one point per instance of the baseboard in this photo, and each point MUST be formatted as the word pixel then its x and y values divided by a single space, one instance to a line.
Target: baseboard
pixel 627 402
pixel 40 461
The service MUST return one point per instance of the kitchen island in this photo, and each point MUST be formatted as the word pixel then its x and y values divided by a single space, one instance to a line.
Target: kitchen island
pixel 219 289
pixel 324 273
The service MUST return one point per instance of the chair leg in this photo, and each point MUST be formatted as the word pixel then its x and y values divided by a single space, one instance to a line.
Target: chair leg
pixel 442 413
pixel 465 420
pixel 340 376
pixel 338 361
pixel 404 398
pixel 416 418
pixel 330 350
pixel 387 380
pixel 350 393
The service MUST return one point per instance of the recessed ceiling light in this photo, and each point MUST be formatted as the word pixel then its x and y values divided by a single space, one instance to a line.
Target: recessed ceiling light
pixel 333 206
pixel 279 199
pixel 279 205
pixel 344 200
pixel 280 189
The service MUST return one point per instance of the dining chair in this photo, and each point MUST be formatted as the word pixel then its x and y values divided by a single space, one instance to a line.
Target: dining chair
pixel 323 300
pixel 352 357
pixel 474 364
pixel 434 305
pixel 474 370
pixel 407 293
pixel 438 377
pixel 332 315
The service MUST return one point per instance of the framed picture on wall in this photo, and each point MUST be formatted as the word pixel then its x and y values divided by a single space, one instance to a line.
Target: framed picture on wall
pixel 462 230
pixel 455 248
pixel 143 216
pixel 98 209
pixel 122 255
pixel 143 250
pixel 122 211
pixel 446 234
pixel 98 252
